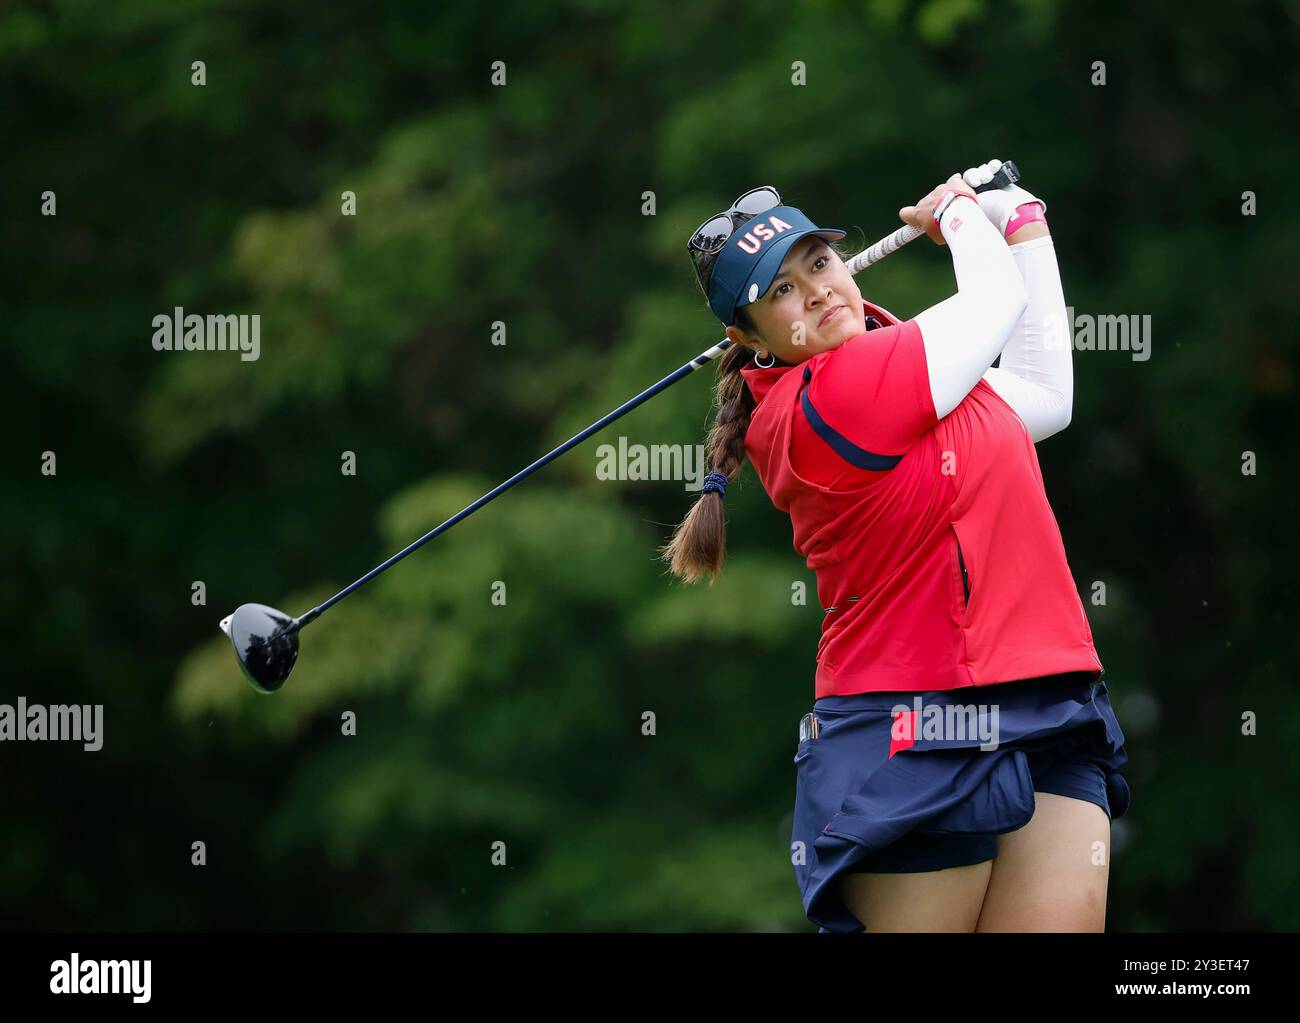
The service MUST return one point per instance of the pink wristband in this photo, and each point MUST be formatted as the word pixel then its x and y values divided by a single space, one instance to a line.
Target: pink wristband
pixel 946 200
pixel 1029 213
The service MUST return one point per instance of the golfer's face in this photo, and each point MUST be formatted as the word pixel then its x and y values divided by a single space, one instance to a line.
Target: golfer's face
pixel 812 306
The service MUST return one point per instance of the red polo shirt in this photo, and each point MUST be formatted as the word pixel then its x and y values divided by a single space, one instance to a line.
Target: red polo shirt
pixel 939 562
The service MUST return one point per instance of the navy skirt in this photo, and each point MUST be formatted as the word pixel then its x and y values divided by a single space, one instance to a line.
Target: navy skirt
pixel 964 767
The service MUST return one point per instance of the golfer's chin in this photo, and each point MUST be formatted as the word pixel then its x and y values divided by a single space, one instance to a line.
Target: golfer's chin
pixel 836 333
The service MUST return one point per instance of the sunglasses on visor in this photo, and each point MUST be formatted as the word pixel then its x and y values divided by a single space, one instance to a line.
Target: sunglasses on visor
pixel 710 236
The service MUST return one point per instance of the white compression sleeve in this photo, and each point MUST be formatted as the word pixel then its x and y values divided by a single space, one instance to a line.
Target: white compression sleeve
pixel 965 333
pixel 1036 377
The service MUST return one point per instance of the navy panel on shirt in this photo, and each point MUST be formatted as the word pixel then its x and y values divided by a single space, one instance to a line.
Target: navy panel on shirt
pixel 841 445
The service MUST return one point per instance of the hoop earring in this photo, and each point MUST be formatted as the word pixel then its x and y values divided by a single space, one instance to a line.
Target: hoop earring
pixel 765 365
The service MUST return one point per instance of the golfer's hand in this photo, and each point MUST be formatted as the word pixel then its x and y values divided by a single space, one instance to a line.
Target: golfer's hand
pixel 998 204
pixel 922 214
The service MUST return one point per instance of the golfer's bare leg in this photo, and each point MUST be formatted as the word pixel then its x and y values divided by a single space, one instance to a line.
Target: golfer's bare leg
pixel 937 900
pixel 1051 874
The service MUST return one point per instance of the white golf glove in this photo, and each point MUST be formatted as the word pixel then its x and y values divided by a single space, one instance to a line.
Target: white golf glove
pixel 998 204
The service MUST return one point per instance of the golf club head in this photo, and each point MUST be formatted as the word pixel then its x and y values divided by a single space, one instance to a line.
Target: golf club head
pixel 266 643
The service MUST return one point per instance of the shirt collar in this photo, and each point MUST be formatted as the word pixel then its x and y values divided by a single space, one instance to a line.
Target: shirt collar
pixel 760 380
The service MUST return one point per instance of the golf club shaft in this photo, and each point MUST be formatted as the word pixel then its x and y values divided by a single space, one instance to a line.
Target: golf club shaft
pixel 890 243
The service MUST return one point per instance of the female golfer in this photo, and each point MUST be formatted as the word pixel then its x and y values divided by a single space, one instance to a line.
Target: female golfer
pixel 959 769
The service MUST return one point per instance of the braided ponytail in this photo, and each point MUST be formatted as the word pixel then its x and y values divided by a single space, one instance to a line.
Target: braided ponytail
pixel 699 543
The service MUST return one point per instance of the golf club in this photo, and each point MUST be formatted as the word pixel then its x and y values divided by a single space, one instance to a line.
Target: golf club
pixel 266 640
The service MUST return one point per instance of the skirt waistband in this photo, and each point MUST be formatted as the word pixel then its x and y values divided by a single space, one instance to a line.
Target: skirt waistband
pixel 1077 684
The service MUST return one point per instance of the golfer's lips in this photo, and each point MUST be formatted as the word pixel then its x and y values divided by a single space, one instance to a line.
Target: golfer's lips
pixel 828 314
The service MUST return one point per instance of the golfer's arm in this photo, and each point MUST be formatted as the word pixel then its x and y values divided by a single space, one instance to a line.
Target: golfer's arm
pixel 962 335
pixel 1035 376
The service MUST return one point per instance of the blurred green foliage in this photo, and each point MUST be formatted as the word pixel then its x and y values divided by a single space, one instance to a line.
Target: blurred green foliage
pixel 522 723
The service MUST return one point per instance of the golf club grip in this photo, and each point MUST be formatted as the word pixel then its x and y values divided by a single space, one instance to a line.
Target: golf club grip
pixel 887 245
pixel 1007 174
